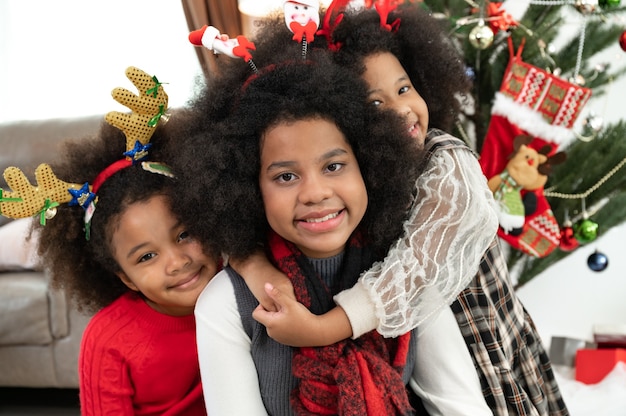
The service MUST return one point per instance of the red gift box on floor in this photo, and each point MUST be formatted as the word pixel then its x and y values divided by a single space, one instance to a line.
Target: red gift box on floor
pixel 593 365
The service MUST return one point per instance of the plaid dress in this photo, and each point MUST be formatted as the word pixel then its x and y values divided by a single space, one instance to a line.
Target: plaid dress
pixel 514 370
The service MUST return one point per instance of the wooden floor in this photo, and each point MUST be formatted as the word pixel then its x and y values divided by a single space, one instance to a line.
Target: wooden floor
pixel 37 402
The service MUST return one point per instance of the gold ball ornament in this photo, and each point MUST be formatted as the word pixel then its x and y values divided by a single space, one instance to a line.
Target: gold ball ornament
pixel 481 36
pixel 50 213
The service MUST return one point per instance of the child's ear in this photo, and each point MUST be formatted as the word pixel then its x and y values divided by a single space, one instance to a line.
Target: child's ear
pixel 127 281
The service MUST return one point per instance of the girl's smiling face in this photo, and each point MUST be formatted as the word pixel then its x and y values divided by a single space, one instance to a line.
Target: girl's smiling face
pixel 312 188
pixel 390 87
pixel 158 257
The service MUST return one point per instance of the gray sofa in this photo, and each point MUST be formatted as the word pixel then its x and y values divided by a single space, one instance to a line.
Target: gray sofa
pixel 40 331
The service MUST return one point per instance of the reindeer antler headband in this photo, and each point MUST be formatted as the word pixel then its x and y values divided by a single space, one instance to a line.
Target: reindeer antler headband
pixel 25 200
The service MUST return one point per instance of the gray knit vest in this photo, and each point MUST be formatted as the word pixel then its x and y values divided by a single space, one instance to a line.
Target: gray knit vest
pixel 273 360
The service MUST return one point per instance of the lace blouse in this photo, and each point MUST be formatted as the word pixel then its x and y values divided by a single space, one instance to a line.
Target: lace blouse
pixel 451 224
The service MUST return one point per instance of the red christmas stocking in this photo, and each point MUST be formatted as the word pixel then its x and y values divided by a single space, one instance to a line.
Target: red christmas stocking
pixel 531 102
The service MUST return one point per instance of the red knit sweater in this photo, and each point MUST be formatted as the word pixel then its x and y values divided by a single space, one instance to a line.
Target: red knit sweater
pixel 137 361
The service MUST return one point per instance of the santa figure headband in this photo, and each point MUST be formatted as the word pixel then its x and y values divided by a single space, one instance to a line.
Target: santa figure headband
pixel 25 200
pixel 301 17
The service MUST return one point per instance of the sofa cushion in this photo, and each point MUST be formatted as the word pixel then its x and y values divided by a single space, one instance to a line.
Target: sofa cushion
pixel 18 249
pixel 26 310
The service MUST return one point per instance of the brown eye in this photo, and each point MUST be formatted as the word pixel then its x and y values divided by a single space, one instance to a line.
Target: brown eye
pixel 147 257
pixel 183 236
pixel 334 167
pixel 285 177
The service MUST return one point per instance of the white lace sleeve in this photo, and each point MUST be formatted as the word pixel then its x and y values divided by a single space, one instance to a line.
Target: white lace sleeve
pixel 451 224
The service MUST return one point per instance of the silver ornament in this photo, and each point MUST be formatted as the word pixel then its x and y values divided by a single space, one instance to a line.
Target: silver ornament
pixel 594 122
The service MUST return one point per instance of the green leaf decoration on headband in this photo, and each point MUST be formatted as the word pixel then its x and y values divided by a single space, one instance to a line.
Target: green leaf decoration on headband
pixel 154 90
pixel 2 199
pixel 87 230
pixel 154 120
pixel 157 167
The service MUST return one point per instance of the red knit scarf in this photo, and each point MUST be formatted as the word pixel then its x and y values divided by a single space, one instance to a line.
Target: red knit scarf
pixel 352 377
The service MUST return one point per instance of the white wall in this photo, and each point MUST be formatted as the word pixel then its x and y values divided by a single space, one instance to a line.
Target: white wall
pixel 568 298
pixel 62 58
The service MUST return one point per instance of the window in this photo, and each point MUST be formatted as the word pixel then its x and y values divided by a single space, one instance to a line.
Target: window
pixel 62 58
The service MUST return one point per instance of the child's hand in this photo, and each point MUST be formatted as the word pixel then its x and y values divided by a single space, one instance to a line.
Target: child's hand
pixel 279 281
pixel 291 323
pixel 257 271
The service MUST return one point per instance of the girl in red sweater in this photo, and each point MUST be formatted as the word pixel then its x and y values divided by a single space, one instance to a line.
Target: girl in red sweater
pixel 128 257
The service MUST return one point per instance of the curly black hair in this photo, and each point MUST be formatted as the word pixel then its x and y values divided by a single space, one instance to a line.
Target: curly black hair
pixel 274 44
pixel 225 190
pixel 435 67
pixel 427 53
pixel 86 268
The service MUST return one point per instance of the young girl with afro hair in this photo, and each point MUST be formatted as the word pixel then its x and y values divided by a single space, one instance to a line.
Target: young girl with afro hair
pixel 412 68
pixel 387 304
pixel 323 181
pixel 138 268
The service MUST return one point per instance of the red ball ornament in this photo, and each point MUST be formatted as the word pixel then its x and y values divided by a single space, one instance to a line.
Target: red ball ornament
pixel 568 242
pixel 622 41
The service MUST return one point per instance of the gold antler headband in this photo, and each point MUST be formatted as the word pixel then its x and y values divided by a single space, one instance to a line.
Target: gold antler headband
pixel 25 200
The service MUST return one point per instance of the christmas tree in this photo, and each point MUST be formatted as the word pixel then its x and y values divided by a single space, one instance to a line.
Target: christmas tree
pixel 586 195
